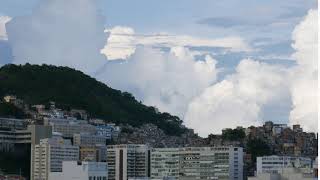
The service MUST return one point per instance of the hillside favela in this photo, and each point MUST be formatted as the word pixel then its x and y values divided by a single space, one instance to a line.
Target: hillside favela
pixel 158 90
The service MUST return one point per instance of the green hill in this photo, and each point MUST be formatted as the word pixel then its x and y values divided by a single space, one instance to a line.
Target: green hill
pixel 70 88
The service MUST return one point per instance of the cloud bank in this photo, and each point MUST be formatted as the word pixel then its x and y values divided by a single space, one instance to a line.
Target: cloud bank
pixel 167 80
pixel 122 42
pixel 3 32
pixel 305 75
pixel 68 33
pixel 238 100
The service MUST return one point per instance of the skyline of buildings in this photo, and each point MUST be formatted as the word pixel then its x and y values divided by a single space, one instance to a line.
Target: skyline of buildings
pixel 63 139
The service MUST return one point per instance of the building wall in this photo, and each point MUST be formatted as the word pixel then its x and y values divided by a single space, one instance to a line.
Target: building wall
pixel 273 164
pixel 48 156
pixel 197 163
pixel 93 153
pixel 69 127
pixel 88 139
pixel 9 138
pixel 127 161
pixel 37 132
pixel 286 174
pixel 165 163
pixel 73 170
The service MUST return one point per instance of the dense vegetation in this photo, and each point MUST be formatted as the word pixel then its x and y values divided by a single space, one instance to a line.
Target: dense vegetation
pixel 233 134
pixel 70 88
pixel 257 147
pixel 9 110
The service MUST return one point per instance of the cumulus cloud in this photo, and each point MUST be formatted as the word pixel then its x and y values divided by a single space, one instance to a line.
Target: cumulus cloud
pixel 120 44
pixel 304 75
pixel 167 80
pixel 3 32
pixel 238 100
pixel 68 33
pixel 123 41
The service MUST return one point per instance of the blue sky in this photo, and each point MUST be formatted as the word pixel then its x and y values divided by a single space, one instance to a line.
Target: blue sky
pixel 263 24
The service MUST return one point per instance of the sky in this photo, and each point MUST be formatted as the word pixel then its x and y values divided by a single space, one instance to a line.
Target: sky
pixel 215 64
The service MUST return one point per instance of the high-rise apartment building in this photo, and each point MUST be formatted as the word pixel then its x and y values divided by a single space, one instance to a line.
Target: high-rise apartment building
pixel 93 153
pixel 69 127
pixel 128 161
pixel 275 164
pixel 9 138
pixel 77 170
pixel 192 163
pixel 88 139
pixel 49 154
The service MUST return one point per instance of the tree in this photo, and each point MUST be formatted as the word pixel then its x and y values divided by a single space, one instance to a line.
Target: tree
pixel 233 134
pixel 257 147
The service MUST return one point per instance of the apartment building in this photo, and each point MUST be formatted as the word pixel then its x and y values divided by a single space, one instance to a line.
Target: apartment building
pixel 77 170
pixel 192 163
pixel 110 131
pixel 68 127
pixel 48 155
pixel 12 123
pixel 31 135
pixel 128 161
pixel 88 139
pixel 275 164
pixel 165 163
pixel 9 138
pixel 93 153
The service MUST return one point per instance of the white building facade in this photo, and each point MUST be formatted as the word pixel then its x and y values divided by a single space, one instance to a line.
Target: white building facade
pixel 128 161
pixel 69 127
pixel 76 170
pixel 88 139
pixel 287 174
pixel 49 155
pixel 275 164
pixel 192 163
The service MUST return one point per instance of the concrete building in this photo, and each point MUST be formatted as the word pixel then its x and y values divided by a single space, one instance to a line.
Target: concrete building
pixel 278 128
pixel 165 163
pixel 88 139
pixel 9 138
pixel 48 156
pixel 68 127
pixel 275 164
pixel 286 174
pixel 73 170
pixel 192 163
pixel 31 135
pixel 128 161
pixel 109 131
pixel 13 124
pixel 39 132
pixel 93 153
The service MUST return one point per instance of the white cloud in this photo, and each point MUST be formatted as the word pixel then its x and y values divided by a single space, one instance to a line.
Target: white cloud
pixel 167 80
pixel 68 33
pixel 3 32
pixel 238 100
pixel 123 41
pixel 120 44
pixel 304 79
